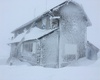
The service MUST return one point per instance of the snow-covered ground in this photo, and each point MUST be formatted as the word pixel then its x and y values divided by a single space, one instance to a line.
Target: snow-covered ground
pixel 85 70
pixel 40 73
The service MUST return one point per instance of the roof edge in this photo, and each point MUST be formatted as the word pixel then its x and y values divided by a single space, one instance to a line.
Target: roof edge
pixel 38 37
pixel 38 17
pixel 50 10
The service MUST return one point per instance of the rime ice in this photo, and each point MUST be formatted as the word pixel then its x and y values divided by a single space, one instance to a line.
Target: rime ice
pixel 55 39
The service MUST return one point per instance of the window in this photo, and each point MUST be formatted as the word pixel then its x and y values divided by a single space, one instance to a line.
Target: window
pixel 54 21
pixel 27 46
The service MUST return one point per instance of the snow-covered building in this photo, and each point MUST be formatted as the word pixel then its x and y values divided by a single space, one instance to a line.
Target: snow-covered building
pixel 55 38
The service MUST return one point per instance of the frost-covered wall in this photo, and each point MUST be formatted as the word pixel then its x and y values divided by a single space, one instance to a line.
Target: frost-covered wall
pixel 30 52
pixel 49 46
pixel 72 33
pixel 13 47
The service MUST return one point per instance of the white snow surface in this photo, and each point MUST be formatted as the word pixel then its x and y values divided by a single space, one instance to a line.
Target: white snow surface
pixel 86 70
pixel 40 73
pixel 34 33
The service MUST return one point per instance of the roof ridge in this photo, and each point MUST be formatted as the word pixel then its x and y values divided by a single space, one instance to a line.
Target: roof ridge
pixel 29 22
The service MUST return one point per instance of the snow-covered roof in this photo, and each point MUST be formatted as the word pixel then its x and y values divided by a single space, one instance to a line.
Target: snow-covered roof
pixel 39 17
pixel 49 12
pixel 34 33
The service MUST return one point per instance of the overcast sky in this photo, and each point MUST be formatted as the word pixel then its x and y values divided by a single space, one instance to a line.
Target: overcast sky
pixel 14 13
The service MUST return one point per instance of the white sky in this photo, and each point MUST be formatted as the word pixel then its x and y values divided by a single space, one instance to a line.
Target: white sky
pixel 14 13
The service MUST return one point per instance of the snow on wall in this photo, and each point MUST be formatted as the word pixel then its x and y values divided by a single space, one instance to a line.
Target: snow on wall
pixel 13 47
pixel 27 54
pixel 49 46
pixel 72 29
